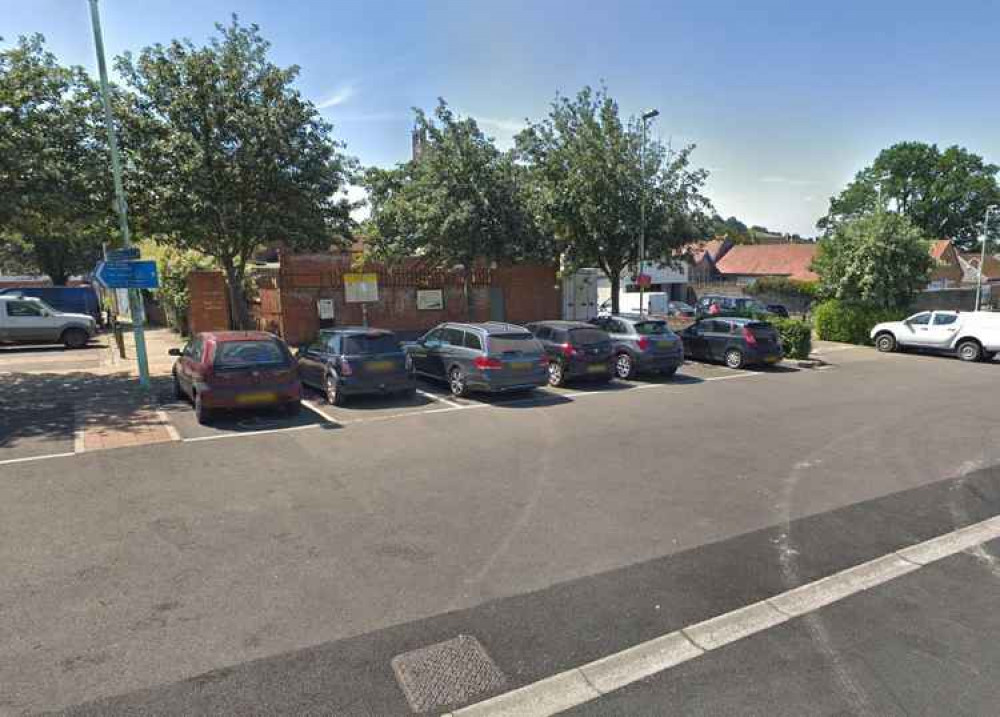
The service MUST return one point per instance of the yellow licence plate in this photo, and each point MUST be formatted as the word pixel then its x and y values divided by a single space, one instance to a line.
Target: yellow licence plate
pixel 253 398
pixel 664 344
pixel 379 366
pixel 772 359
pixel 597 368
pixel 520 365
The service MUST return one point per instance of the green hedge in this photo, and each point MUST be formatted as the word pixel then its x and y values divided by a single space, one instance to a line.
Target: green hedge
pixel 849 322
pixel 796 337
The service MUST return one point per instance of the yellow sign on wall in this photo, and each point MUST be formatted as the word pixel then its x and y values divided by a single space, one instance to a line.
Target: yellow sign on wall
pixel 360 288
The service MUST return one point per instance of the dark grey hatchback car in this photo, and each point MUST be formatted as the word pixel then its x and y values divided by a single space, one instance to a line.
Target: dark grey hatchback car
pixel 491 357
pixel 353 361
pixel 575 350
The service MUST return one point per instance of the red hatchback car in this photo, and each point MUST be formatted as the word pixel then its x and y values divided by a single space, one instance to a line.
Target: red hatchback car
pixel 236 369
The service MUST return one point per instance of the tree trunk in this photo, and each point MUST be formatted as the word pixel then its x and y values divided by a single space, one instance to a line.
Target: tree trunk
pixel 239 317
pixel 468 292
pixel 615 277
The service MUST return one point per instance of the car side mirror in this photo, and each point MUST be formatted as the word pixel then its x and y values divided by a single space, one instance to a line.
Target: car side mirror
pixel 174 352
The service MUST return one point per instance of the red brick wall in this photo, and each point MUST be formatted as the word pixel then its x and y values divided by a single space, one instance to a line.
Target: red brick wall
pixel 209 301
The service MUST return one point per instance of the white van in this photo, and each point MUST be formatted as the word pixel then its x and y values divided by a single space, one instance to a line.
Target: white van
pixel 973 335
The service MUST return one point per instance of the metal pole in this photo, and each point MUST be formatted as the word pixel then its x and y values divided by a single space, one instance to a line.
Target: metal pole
pixel 642 216
pixel 982 258
pixel 134 296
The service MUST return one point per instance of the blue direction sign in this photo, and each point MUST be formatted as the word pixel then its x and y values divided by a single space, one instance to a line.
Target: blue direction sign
pixel 130 253
pixel 128 274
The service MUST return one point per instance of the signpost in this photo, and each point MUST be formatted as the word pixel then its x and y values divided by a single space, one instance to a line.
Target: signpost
pixel 361 289
pixel 127 274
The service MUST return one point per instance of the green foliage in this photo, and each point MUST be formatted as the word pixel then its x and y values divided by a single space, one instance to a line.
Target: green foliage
pixel 880 259
pixel 850 322
pixel 55 194
pixel 796 337
pixel 944 193
pixel 783 286
pixel 174 265
pixel 586 187
pixel 228 154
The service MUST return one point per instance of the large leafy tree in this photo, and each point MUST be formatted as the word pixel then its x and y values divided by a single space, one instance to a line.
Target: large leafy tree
pixel 585 187
pixel 460 200
pixel 227 154
pixel 944 193
pixel 55 194
pixel 881 259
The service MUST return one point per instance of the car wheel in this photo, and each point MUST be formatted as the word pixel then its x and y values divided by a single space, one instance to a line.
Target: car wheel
pixel 556 375
pixel 178 391
pixel 624 366
pixel 456 382
pixel 885 342
pixel 970 350
pixel 734 358
pixel 200 411
pixel 333 394
pixel 75 338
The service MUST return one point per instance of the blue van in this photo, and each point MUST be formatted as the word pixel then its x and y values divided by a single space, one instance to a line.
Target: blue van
pixel 68 299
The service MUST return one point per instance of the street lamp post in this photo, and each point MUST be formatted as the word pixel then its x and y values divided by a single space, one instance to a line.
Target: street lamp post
pixel 646 116
pixel 134 295
pixel 982 258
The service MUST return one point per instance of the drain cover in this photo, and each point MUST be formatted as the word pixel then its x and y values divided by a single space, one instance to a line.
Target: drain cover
pixel 446 673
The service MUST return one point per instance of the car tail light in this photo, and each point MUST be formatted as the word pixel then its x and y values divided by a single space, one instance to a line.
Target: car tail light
pixel 643 343
pixel 749 337
pixel 345 368
pixel 486 363
pixel 569 350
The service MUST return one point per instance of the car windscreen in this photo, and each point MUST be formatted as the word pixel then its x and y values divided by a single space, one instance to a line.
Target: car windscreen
pixel 587 337
pixel 652 328
pixel 762 330
pixel 249 354
pixel 361 344
pixel 513 343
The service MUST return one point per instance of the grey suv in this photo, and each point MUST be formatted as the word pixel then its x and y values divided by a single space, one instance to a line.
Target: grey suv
pixel 490 357
pixel 642 345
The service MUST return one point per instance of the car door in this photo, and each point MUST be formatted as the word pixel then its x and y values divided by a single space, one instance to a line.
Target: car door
pixel 28 321
pixel 694 341
pixel 942 330
pixel 312 362
pixel 451 349
pixel 716 337
pixel 420 352
pixel 915 330
pixel 188 367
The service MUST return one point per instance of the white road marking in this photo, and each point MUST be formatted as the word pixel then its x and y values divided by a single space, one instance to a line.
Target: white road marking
pixel 35 458
pixel 320 412
pixel 244 434
pixel 79 444
pixel 588 682
pixel 171 431
pixel 442 399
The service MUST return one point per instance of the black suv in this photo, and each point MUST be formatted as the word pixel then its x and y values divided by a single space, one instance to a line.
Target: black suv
pixel 733 341
pixel 575 350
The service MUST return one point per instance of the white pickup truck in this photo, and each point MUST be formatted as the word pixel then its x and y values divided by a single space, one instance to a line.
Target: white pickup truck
pixel 32 321
pixel 972 335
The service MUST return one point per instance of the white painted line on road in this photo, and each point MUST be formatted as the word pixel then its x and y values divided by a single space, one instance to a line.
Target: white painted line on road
pixel 29 459
pixel 245 434
pixel 321 413
pixel 579 685
pixel 742 374
pixel 171 431
pixel 79 444
pixel 442 399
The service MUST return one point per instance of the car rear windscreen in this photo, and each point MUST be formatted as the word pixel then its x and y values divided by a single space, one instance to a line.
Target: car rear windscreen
pixel 361 344
pixel 652 328
pixel 248 354
pixel 762 330
pixel 587 337
pixel 509 343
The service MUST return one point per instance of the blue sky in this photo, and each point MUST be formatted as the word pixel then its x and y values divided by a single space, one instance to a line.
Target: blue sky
pixel 785 100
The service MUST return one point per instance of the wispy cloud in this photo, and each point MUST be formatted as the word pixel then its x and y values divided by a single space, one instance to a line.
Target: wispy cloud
pixel 339 97
pixel 506 125
pixel 790 181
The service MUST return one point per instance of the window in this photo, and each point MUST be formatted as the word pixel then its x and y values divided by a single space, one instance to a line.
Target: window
pixel 333 344
pixel 195 349
pixel 248 354
pixel 616 326
pixel 542 332
pixel 511 343
pixel 434 337
pixel 319 345
pixel 920 319
pixel 472 341
pixel 376 343
pixel 945 319
pixel 587 337
pixel 453 337
pixel 651 328
pixel 23 308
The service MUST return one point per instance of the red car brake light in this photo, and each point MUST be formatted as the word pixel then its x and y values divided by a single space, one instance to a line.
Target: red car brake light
pixel 749 337
pixel 487 363
pixel 345 368
pixel 569 350
pixel 643 343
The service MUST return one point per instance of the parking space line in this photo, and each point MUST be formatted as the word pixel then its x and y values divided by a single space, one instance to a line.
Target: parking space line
pixel 579 685
pixel 29 459
pixel 79 445
pixel 244 434
pixel 321 413
pixel 442 399
pixel 171 431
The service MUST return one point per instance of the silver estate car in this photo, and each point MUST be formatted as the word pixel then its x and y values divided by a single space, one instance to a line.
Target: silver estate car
pixel 491 357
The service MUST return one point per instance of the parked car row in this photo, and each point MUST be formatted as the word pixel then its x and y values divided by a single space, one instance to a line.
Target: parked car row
pixel 238 369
